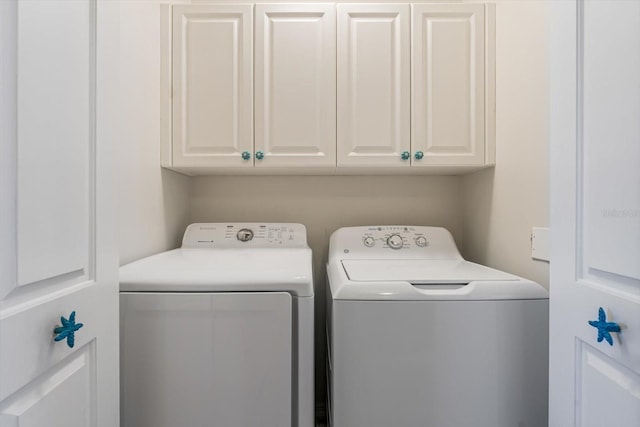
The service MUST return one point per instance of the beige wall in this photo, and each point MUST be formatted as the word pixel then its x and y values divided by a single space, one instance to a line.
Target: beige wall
pixel 502 204
pixel 324 204
pixel 153 202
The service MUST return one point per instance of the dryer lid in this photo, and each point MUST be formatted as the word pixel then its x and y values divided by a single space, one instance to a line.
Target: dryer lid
pixel 421 271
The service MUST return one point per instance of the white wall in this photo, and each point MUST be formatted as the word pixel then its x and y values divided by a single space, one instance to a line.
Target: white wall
pixel 153 202
pixel 502 204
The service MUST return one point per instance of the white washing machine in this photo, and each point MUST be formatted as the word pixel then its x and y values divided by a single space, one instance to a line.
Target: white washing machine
pixel 417 336
pixel 220 331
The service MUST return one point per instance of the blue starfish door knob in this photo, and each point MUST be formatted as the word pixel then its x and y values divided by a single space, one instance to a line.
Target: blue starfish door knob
pixel 68 329
pixel 604 328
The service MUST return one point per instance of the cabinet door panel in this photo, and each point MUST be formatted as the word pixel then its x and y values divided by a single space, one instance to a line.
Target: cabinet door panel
pixel 448 84
pixel 373 84
pixel 212 76
pixel 295 99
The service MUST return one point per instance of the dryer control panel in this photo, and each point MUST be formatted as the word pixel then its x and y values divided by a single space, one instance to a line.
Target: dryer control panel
pixel 245 235
pixel 393 241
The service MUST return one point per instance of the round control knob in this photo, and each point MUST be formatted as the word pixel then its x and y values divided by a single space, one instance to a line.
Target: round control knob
pixel 395 241
pixel 421 241
pixel 369 241
pixel 244 235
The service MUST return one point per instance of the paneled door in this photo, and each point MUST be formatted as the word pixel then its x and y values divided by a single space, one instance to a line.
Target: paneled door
pixel 595 214
pixel 374 93
pixel 213 85
pixel 448 84
pixel 58 253
pixel 295 85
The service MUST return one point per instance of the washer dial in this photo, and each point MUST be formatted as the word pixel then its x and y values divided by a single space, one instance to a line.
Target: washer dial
pixel 395 241
pixel 421 241
pixel 369 241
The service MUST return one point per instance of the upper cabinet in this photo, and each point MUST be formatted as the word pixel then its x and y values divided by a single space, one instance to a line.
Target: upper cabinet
pixel 448 85
pixel 346 88
pixel 295 99
pixel 212 85
pixel 373 84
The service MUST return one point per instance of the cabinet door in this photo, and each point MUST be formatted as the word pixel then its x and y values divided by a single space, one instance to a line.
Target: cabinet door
pixel 212 85
pixel 373 84
pixel 448 84
pixel 295 99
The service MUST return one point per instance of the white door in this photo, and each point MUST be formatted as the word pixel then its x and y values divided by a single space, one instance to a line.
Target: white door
pixel 595 214
pixel 213 85
pixel 374 93
pixel 58 254
pixel 295 83
pixel 448 84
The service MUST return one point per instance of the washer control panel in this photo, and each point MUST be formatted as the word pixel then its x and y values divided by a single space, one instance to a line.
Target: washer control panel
pixel 249 235
pixel 393 241
pixel 394 237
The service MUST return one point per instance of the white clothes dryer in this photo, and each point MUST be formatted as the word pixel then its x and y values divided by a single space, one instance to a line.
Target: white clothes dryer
pixel 417 336
pixel 220 331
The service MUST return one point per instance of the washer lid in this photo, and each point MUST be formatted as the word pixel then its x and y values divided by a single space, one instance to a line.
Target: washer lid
pixel 421 271
pixel 222 270
pixel 426 280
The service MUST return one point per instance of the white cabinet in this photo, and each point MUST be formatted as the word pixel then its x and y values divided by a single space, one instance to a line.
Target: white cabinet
pixel 212 85
pixel 335 88
pixel 373 84
pixel 295 100
pixel 448 85
pixel 449 90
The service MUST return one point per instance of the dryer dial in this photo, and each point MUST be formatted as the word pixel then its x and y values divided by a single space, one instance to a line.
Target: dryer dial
pixel 369 241
pixel 395 241
pixel 244 235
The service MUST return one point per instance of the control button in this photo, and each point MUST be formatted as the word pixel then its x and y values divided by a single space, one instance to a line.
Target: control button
pixel 369 242
pixel 244 235
pixel 421 241
pixel 395 241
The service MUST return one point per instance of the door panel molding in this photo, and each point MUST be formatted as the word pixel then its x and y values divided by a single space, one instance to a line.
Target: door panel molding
pixel 56 236
pixel 597 184
pixel 595 371
pixel 72 380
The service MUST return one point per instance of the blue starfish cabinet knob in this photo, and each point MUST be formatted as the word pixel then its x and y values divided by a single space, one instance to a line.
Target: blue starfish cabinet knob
pixel 604 328
pixel 68 329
